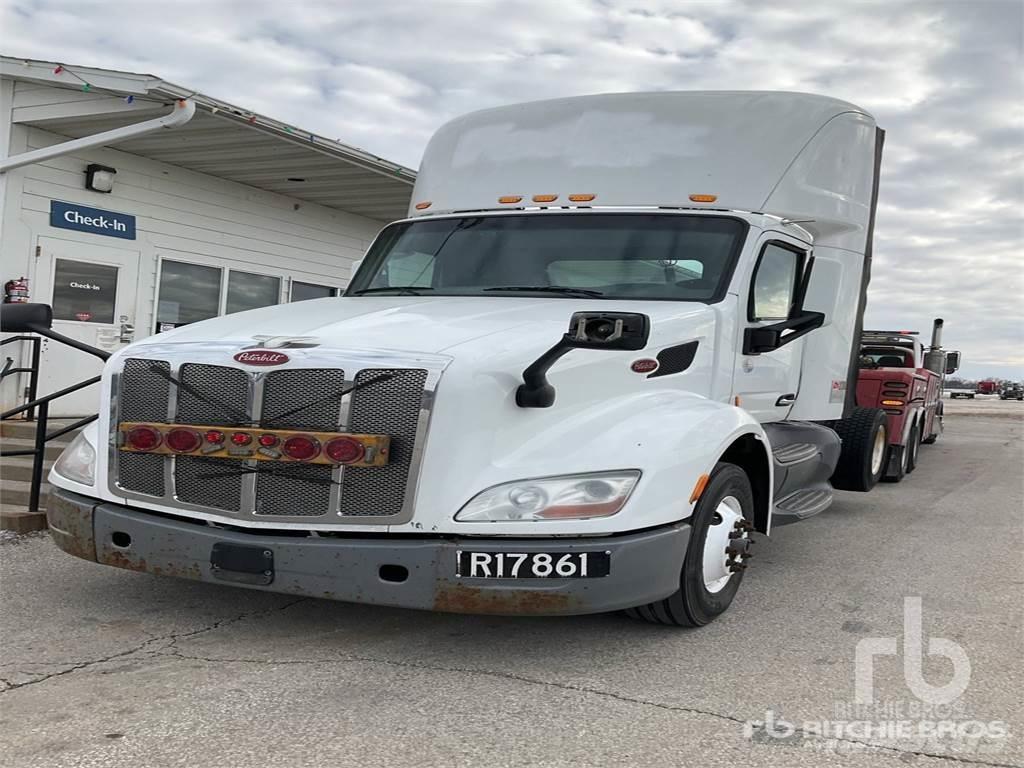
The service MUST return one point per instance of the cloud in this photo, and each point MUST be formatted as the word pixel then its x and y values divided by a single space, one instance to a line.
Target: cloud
pixel 944 79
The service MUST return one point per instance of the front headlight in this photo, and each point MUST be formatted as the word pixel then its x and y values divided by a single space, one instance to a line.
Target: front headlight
pixel 78 462
pixel 571 497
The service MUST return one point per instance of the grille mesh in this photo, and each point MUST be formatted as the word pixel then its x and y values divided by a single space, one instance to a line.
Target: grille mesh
pixel 212 394
pixel 142 396
pixel 390 407
pixel 302 490
pixel 303 399
pixel 209 482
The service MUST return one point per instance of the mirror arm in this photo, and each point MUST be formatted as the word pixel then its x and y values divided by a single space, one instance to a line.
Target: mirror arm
pixel 770 337
pixel 536 391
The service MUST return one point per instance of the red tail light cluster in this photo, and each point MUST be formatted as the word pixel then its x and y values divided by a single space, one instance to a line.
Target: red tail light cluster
pixel 256 444
pixel 183 440
pixel 301 448
pixel 144 438
pixel 345 450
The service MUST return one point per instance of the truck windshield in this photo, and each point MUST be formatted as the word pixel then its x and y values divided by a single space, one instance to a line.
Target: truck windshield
pixel 589 255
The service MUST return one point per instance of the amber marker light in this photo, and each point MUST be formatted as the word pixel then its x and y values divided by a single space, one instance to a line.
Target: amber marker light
pixel 544 198
pixel 508 199
pixel 698 489
pixel 703 198
pixel 892 402
pixel 425 204
pixel 581 198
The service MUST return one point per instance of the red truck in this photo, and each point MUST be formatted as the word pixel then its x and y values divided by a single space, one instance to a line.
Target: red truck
pixel 988 387
pixel 903 378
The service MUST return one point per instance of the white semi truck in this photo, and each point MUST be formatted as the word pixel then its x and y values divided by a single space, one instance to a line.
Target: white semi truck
pixel 616 336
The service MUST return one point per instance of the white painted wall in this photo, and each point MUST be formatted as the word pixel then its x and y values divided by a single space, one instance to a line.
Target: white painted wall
pixel 180 215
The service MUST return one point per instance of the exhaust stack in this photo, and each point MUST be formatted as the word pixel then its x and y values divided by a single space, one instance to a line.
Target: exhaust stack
pixel 937 334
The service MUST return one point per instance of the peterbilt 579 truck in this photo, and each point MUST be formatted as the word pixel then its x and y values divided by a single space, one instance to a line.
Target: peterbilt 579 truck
pixel 608 344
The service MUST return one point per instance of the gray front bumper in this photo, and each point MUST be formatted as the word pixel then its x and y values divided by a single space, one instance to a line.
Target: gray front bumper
pixel 644 566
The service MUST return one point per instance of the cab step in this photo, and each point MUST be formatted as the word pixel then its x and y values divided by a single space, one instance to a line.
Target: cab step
pixel 802 504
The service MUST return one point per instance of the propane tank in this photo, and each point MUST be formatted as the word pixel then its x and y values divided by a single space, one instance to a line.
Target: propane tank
pixel 935 357
pixel 16 291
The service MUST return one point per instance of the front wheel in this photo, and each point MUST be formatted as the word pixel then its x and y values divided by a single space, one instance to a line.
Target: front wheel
pixel 716 555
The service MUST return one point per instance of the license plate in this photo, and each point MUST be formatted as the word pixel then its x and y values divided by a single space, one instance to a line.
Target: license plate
pixel 532 565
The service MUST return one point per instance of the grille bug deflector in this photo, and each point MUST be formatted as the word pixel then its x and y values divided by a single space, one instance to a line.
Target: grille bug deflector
pixel 318 391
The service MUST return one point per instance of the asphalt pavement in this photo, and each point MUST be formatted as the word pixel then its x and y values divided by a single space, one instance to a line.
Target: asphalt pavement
pixel 104 667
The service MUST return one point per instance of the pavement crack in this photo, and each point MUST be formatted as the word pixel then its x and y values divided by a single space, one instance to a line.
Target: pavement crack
pixel 170 638
pixel 355 659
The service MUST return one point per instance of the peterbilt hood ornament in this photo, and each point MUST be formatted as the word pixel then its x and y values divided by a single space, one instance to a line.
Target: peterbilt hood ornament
pixel 284 342
pixel 261 357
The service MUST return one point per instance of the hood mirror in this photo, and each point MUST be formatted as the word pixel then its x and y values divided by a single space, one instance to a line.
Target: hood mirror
pixel 587 330
pixel 952 362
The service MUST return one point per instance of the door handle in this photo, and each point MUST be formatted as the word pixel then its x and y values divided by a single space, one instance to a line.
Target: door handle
pixel 786 400
pixel 127 333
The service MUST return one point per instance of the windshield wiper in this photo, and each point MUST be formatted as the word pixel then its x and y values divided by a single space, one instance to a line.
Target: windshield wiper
pixel 549 289
pixel 404 289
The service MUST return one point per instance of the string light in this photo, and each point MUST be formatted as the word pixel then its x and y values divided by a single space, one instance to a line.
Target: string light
pixel 287 129
pixel 252 119
pixel 86 87
pixel 215 110
pixel 58 69
pixel 129 98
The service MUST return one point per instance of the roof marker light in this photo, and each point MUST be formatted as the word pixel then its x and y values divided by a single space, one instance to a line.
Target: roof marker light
pixel 544 198
pixel 703 198
pixel 510 199
pixel 581 198
pixel 424 204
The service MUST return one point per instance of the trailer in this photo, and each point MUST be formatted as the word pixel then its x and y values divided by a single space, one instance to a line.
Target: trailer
pixel 616 337
pixel 988 387
pixel 905 379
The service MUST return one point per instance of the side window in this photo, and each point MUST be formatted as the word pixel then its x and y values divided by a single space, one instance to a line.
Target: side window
pixel 774 284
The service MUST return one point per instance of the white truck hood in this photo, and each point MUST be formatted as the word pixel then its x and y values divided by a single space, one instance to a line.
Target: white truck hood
pixel 414 323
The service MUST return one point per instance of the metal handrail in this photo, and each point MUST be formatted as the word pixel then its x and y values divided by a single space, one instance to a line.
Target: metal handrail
pixel 32 370
pixel 38 450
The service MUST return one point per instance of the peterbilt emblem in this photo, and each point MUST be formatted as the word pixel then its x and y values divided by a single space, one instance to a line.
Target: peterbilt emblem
pixel 645 365
pixel 261 357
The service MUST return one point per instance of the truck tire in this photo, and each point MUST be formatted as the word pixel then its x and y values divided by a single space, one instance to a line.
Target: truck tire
pixel 707 583
pixel 936 425
pixel 913 444
pixel 865 437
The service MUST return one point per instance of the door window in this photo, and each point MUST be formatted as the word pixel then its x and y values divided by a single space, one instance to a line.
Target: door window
pixel 305 291
pixel 774 284
pixel 188 293
pixel 84 292
pixel 249 291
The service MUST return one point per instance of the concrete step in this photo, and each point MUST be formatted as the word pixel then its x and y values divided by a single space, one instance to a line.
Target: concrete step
pixel 20 520
pixel 52 451
pixel 15 493
pixel 20 468
pixel 26 430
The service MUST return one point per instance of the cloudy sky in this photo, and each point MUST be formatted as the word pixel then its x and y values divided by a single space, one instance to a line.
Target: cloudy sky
pixel 943 78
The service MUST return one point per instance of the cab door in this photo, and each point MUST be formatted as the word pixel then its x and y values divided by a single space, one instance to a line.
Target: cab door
pixel 767 383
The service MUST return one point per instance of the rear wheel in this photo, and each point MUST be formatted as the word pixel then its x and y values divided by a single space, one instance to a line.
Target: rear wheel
pixel 913 444
pixel 865 437
pixel 936 426
pixel 715 556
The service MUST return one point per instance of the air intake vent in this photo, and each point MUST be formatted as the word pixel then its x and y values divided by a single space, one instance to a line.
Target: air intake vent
pixel 675 359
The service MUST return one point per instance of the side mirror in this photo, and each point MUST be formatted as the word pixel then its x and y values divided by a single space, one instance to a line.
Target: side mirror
pixel 768 338
pixel 25 318
pixel 587 330
pixel 952 362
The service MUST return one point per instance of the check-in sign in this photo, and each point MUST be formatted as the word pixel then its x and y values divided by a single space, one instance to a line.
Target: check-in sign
pixel 82 218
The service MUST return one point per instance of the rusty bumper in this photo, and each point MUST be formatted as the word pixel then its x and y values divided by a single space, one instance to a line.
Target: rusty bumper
pixel 645 566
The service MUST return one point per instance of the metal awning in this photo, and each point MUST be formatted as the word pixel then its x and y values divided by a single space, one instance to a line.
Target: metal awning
pixel 222 140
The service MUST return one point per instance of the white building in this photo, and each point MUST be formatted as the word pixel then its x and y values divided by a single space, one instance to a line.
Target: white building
pixel 230 211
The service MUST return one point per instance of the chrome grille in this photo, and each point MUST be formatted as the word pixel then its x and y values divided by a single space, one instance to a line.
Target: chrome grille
pixel 146 388
pixel 379 400
pixel 213 483
pixel 390 406
pixel 303 399
pixel 213 394
pixel 293 490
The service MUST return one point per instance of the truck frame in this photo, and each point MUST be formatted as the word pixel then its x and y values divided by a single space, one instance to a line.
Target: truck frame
pixel 615 338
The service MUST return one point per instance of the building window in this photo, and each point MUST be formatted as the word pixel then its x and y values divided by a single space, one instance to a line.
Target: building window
pixel 84 292
pixel 188 293
pixel 249 291
pixel 305 291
